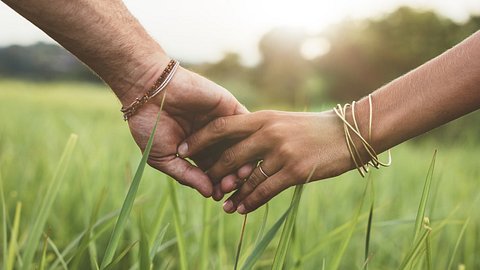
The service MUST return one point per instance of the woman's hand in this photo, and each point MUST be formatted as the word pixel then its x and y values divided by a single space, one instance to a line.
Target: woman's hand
pixel 290 145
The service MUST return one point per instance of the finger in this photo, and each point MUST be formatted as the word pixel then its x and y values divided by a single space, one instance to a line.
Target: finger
pixel 228 127
pixel 246 170
pixel 264 192
pixel 254 180
pixel 239 154
pixel 217 194
pixel 208 156
pixel 230 182
pixel 185 173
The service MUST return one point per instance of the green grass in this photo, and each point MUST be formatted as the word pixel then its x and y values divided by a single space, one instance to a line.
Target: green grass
pixel 182 230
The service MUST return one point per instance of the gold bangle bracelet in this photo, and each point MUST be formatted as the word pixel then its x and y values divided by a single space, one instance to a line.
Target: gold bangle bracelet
pixel 362 167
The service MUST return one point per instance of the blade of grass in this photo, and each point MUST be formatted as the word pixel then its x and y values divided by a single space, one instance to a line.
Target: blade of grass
pixel 130 198
pixel 428 249
pixel 415 250
pixel 283 245
pixel 369 228
pixel 158 242
pixel 221 247
pixel 428 253
pixel 457 244
pixel 178 227
pixel 367 238
pixel 262 227
pixel 57 253
pixel 333 236
pixel 145 262
pixel 106 221
pixel 122 254
pixel 46 204
pixel 162 206
pixel 239 247
pixel 423 201
pixel 13 244
pixel 93 255
pixel 262 245
pixel 44 254
pixel 338 258
pixel 4 224
pixel 84 243
pixel 204 242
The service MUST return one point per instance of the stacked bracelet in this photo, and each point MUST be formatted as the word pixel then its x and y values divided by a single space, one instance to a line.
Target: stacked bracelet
pixel 362 166
pixel 158 86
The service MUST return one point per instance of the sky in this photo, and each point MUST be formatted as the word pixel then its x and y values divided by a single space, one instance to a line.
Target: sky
pixel 203 30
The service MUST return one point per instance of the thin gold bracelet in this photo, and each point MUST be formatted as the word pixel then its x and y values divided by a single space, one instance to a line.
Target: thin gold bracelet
pixel 374 161
pixel 157 87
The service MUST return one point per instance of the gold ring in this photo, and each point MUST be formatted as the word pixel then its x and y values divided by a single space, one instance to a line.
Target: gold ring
pixel 262 171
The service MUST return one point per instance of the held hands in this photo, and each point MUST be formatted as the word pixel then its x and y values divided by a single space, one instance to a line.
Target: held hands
pixel 211 128
pixel 290 145
pixel 191 101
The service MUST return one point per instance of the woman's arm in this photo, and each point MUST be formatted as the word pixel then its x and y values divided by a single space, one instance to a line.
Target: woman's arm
pixel 292 145
pixel 443 89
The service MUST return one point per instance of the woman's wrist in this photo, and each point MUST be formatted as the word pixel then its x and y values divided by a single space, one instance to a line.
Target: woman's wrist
pixel 362 133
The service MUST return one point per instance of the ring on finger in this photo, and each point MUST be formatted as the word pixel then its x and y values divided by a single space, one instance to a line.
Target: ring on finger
pixel 262 171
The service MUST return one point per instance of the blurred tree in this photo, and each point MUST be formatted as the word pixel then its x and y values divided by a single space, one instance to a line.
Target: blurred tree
pixel 42 62
pixel 282 72
pixel 233 75
pixel 366 54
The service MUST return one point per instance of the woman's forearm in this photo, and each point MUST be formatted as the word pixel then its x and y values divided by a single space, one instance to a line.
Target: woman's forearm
pixel 441 90
pixel 102 34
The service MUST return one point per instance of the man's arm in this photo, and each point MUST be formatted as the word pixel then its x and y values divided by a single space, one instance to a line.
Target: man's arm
pixel 106 37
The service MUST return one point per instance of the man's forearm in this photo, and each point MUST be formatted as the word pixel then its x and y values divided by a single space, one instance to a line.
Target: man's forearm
pixel 102 34
pixel 443 89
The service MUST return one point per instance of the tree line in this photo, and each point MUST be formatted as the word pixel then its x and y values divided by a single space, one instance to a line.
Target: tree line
pixel 362 56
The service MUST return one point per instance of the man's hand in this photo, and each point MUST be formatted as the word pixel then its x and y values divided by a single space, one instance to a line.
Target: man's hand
pixel 191 101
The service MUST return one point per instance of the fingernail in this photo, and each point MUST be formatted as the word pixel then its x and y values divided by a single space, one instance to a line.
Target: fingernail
pixel 228 206
pixel 241 209
pixel 183 149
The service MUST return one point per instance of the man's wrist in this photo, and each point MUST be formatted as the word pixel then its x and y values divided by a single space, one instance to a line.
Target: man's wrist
pixel 136 80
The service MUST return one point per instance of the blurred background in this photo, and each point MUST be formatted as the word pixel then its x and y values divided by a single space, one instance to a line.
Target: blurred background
pixel 292 55
pixel 289 55
pixel 286 54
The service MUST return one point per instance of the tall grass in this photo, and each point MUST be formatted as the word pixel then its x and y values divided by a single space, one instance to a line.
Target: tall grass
pixel 172 227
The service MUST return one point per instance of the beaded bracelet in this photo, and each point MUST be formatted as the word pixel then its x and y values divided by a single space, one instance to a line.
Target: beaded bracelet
pixel 362 167
pixel 157 87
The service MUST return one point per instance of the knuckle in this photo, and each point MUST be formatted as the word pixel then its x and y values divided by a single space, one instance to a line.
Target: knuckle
pixel 219 125
pixel 228 158
pixel 263 191
pixel 249 204
pixel 298 173
pixel 266 113
pixel 193 139
pixel 254 179
pixel 276 131
pixel 286 151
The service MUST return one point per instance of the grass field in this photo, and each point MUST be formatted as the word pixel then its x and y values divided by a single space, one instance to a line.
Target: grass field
pixel 36 120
